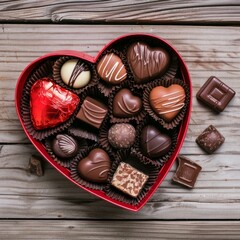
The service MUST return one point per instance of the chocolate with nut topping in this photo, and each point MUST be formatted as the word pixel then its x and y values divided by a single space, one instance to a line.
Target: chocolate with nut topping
pixel 128 179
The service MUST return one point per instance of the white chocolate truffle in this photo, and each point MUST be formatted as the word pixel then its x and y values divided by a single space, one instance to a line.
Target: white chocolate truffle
pixel 75 73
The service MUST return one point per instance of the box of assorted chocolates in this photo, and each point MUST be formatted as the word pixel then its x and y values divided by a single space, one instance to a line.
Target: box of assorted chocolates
pixel 112 124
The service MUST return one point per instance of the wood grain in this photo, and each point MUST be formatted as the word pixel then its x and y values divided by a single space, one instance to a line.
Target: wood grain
pixel 52 196
pixel 201 12
pixel 206 50
pixel 221 230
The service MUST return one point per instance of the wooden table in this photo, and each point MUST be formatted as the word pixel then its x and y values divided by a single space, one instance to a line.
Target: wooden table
pixel 207 35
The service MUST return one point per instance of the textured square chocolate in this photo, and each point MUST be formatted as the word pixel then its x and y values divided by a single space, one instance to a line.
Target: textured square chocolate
pixel 187 172
pixel 92 112
pixel 210 139
pixel 215 94
pixel 128 179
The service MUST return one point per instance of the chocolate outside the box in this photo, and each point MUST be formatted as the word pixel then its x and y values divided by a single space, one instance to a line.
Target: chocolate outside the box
pixel 42 71
pixel 92 112
pixel 128 179
pixel 166 83
pixel 210 139
pixel 187 172
pixel 215 94
pixel 35 166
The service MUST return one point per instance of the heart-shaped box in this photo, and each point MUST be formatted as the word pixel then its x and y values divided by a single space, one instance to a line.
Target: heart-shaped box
pixel 184 74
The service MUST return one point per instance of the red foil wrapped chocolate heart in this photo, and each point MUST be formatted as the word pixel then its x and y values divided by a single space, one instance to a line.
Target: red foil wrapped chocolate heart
pixel 51 104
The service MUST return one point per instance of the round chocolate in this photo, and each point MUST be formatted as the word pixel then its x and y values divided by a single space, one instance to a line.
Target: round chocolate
pixel 147 63
pixel 154 143
pixel 64 146
pixel 95 166
pixel 111 69
pixel 75 73
pixel 125 104
pixel 121 135
pixel 167 102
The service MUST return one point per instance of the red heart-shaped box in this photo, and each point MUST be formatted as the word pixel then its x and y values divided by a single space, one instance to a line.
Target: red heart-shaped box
pixel 181 134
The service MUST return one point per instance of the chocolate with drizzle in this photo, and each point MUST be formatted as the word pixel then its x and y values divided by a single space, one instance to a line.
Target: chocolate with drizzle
pixel 147 63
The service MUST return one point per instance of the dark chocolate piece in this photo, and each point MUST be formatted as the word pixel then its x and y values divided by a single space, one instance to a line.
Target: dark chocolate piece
pixel 128 179
pixel 147 63
pixel 121 135
pixel 111 69
pixel 64 146
pixel 210 139
pixel 167 102
pixel 154 143
pixel 215 94
pixel 125 104
pixel 35 166
pixel 187 172
pixel 95 166
pixel 92 112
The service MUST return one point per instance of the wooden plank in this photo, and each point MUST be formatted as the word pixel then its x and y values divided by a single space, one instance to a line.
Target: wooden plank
pixel 119 230
pixel 52 196
pixel 205 53
pixel 204 12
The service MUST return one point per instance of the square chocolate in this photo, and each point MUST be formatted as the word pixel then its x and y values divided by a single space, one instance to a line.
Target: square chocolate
pixel 35 166
pixel 210 139
pixel 215 94
pixel 128 179
pixel 187 172
pixel 92 112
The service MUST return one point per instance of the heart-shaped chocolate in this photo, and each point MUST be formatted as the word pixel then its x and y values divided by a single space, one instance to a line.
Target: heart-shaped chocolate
pixel 95 166
pixel 147 63
pixel 167 102
pixel 118 45
pixel 154 143
pixel 50 104
pixel 125 104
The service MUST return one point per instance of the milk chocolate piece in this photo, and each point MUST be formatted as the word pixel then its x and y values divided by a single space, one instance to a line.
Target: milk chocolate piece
pixel 121 135
pixel 111 69
pixel 64 146
pixel 95 166
pixel 128 179
pixel 167 102
pixel 215 94
pixel 147 63
pixel 75 73
pixel 210 139
pixel 187 172
pixel 35 166
pixel 154 143
pixel 125 104
pixel 92 112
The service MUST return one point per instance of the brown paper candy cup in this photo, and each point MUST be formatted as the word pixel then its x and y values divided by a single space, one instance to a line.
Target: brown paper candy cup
pixel 130 158
pixel 105 87
pixel 65 162
pixel 166 83
pixel 138 117
pixel 137 149
pixel 44 70
pixel 57 74
pixel 74 169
